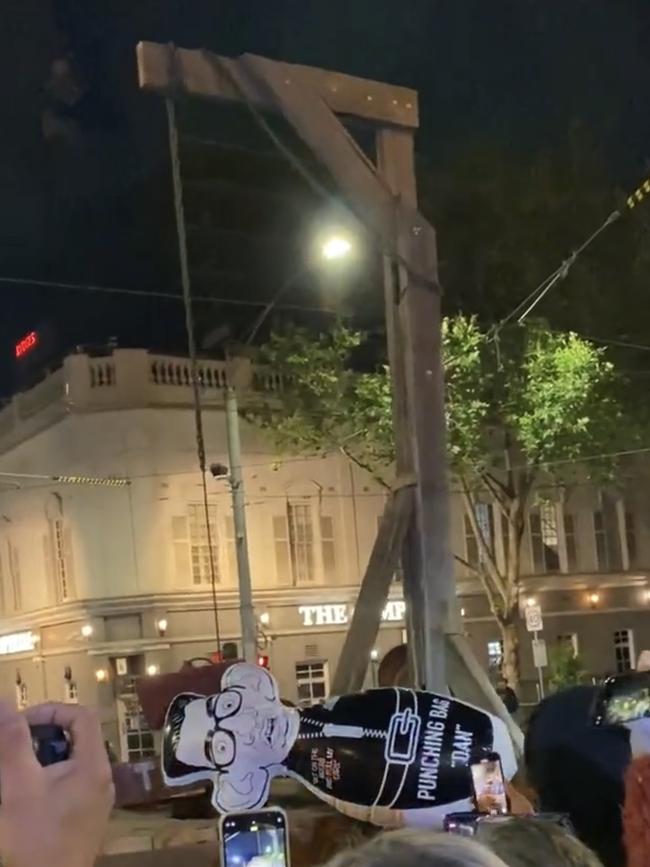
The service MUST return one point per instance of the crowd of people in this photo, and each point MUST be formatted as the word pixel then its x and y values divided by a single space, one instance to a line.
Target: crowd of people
pixel 57 815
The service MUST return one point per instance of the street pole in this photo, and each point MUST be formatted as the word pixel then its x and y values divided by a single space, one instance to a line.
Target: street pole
pixel 236 478
pixel 540 671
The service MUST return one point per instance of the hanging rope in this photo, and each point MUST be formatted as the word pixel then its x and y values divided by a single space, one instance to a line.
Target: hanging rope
pixel 191 345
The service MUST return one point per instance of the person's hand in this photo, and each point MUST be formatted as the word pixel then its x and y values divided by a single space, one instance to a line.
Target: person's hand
pixel 519 804
pixel 54 816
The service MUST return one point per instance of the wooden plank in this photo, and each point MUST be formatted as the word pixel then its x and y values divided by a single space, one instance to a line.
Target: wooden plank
pixel 382 565
pixel 201 74
pixel 429 584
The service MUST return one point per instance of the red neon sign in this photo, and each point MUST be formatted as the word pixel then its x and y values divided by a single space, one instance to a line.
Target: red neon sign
pixel 28 342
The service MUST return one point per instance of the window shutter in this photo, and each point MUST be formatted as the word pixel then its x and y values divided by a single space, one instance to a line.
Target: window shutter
pixel 181 550
pixel 48 563
pixel 328 547
pixel 69 562
pixel 282 554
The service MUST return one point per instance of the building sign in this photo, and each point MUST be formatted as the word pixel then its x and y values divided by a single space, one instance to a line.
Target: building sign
pixel 339 615
pixel 17 642
pixel 26 344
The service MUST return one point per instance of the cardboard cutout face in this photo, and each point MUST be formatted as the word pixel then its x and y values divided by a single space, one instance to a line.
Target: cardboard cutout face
pixel 233 738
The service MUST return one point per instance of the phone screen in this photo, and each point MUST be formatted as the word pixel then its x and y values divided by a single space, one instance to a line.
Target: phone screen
pixel 623 698
pixel 489 785
pixel 256 839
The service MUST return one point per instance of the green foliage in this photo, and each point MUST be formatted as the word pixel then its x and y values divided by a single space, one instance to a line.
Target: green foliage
pixel 520 408
pixel 565 668
pixel 552 394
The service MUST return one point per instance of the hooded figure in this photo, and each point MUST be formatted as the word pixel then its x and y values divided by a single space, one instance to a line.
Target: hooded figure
pixel 389 756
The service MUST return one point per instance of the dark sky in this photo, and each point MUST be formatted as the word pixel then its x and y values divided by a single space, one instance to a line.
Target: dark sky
pixel 93 206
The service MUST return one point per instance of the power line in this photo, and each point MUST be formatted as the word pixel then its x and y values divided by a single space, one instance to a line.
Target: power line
pixel 155 293
pixel 538 294
pixel 177 184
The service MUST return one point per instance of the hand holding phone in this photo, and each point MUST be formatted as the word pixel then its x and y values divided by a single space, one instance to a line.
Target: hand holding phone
pixel 254 839
pixel 489 785
pixel 623 698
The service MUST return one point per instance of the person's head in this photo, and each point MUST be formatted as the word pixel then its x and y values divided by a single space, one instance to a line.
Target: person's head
pixel 578 768
pixel 529 842
pixel 414 848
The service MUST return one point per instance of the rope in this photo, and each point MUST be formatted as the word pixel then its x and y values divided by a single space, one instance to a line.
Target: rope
pixel 191 346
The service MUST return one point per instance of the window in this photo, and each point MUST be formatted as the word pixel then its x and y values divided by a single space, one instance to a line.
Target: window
pixel 624 650
pixel 301 542
pixel 544 539
pixel 60 562
pixel 70 692
pixel 602 543
pixel 570 640
pixel 485 520
pixel 13 559
pixel 137 740
pixel 295 544
pixel 630 539
pixel 21 695
pixel 202 542
pixel 571 543
pixel 312 681
pixel 495 655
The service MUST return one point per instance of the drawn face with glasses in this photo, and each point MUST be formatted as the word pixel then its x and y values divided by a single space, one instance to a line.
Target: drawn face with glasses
pixel 233 734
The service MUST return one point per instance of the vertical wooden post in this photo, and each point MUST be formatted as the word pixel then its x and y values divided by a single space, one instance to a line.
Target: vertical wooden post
pixel 414 332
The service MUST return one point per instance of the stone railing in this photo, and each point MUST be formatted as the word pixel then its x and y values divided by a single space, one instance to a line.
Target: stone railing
pixel 164 370
pixel 127 378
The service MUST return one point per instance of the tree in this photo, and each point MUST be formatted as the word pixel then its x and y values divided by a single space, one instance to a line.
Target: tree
pixel 522 410
pixel 565 667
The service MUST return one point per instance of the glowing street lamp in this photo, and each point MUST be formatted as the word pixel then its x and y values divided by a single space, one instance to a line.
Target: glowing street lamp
pixel 336 247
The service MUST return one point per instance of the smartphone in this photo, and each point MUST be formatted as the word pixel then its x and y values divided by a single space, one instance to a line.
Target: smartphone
pixel 623 698
pixel 255 839
pixel 51 744
pixel 469 824
pixel 489 785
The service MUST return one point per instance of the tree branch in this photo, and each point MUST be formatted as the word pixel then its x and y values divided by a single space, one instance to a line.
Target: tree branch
pixel 364 466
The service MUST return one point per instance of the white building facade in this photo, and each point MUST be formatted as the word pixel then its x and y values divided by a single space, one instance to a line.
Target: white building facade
pixel 101 583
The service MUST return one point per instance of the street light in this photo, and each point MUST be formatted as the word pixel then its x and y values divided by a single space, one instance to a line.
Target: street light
pixel 336 247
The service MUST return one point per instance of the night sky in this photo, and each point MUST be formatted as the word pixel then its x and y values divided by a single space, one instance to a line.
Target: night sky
pixel 89 201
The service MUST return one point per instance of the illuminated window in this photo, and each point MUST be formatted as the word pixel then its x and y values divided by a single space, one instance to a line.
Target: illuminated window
pixel 70 692
pixel 301 542
pixel 13 558
pixel 200 543
pixel 544 539
pixel 485 520
pixel 495 655
pixel 21 695
pixel 61 562
pixel 569 640
pixel 571 543
pixel 624 650
pixel 312 681
pixel 630 539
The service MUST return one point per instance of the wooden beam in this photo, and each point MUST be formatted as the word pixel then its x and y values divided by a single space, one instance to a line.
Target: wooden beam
pixel 164 68
pixel 382 565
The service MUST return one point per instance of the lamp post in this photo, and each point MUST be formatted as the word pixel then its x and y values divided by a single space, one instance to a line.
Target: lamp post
pixel 334 247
